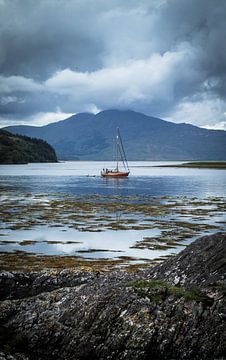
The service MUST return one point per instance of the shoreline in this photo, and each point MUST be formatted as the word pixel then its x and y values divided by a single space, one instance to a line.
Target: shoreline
pixel 217 165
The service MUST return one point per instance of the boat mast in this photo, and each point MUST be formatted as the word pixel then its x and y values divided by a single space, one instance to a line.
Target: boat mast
pixel 117 147
pixel 122 153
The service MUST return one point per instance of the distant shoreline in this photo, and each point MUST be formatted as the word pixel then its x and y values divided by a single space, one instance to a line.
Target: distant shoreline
pixel 199 165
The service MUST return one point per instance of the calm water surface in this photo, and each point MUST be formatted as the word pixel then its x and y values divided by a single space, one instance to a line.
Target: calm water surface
pixel 84 178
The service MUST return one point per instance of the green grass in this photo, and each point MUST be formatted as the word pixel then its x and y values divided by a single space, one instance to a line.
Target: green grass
pixel 164 290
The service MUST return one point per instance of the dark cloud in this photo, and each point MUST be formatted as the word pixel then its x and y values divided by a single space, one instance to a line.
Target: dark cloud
pixel 164 57
pixel 40 37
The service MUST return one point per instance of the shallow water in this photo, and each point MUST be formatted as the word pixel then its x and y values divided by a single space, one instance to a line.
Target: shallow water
pixel 180 198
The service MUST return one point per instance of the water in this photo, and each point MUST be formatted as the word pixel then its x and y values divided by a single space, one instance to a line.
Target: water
pixel 188 193
pixel 83 177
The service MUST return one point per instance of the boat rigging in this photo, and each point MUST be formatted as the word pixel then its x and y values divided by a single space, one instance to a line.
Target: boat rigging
pixel 120 153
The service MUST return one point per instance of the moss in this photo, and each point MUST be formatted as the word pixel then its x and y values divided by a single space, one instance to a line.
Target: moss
pixel 197 295
pixel 165 289
pixel 141 284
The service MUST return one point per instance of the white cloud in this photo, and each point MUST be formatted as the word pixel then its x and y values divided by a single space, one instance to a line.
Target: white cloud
pixel 42 118
pixel 136 83
pixel 218 126
pixel 205 111
pixel 11 84
pixel 39 119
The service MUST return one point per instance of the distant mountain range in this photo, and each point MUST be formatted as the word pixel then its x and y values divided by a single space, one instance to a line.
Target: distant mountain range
pixel 17 149
pixel 87 136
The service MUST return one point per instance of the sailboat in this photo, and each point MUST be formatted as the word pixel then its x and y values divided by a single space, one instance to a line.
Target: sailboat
pixel 120 152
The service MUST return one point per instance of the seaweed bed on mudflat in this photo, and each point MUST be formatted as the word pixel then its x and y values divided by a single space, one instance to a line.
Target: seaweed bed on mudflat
pixel 178 219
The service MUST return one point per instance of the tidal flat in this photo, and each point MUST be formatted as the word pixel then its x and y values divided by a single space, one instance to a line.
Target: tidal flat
pixel 220 165
pixel 101 232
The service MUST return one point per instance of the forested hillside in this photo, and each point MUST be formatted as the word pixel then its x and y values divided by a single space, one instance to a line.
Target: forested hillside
pixel 18 149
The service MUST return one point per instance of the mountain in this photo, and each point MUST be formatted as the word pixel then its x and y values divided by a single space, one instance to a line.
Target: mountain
pixel 17 149
pixel 91 137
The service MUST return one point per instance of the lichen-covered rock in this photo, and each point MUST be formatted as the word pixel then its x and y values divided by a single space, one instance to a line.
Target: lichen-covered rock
pixel 4 356
pixel 202 263
pixel 80 316
pixel 19 284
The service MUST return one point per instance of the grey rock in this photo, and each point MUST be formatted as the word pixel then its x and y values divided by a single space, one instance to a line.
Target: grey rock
pixel 4 356
pixel 77 315
pixel 202 263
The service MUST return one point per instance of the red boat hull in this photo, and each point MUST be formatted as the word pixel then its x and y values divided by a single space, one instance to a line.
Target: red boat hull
pixel 115 174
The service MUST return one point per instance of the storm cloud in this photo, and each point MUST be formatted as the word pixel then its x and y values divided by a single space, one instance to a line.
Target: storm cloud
pixel 166 58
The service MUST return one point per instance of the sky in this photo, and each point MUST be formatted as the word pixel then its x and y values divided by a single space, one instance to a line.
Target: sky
pixel 164 58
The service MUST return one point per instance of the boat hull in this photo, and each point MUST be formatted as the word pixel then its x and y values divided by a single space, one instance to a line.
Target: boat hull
pixel 112 174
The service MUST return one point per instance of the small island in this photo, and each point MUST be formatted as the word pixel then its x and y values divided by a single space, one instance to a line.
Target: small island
pixel 18 149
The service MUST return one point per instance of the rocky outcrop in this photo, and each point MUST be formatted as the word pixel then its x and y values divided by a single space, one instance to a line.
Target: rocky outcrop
pixel 200 264
pixel 17 285
pixel 174 311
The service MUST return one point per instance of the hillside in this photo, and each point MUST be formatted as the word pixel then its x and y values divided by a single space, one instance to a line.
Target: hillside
pixel 91 137
pixel 17 149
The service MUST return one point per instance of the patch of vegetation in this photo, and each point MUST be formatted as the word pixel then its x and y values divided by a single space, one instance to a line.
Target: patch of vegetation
pixel 162 290
pixel 21 261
